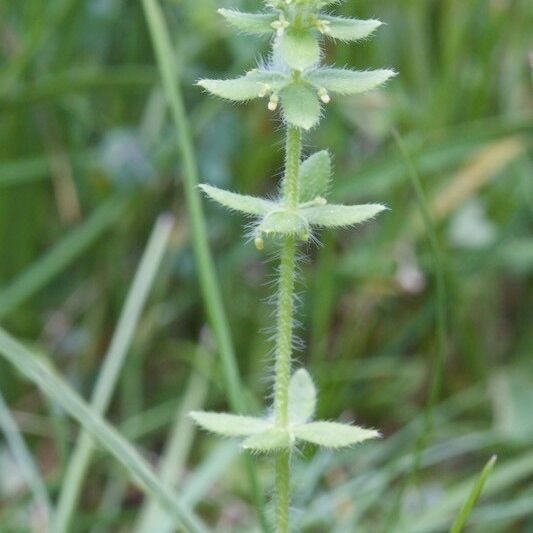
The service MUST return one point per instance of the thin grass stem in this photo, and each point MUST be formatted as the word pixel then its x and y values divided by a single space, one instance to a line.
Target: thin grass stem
pixel 208 281
pixel 394 518
pixel 39 371
pixel 23 457
pixel 112 366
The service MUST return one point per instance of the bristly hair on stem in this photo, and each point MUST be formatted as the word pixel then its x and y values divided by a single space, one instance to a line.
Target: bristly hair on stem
pixel 295 83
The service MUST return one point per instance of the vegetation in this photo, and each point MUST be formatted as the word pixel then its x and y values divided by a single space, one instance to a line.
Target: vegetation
pixel 117 287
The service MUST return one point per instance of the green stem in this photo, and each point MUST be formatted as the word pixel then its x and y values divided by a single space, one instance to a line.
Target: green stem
pixel 283 496
pixel 292 163
pixel 211 295
pixel 284 330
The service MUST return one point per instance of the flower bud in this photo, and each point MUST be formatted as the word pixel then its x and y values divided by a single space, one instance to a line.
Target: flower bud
pixel 259 243
pixel 273 102
pixel 324 96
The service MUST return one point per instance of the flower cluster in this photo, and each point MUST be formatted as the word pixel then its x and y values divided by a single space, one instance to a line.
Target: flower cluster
pixel 293 75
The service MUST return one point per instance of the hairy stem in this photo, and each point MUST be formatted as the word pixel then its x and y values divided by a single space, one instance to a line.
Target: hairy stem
pixel 292 163
pixel 284 329
pixel 282 491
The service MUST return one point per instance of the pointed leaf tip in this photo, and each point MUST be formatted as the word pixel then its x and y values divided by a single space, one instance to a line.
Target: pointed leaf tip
pixel 250 205
pixel 333 215
pixel 348 29
pixel 229 425
pixel 247 87
pixel 333 434
pixel 347 82
pixel 254 23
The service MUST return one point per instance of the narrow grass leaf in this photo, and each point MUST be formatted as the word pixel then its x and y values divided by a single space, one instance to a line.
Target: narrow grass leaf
pixel 302 397
pixel 173 460
pixel 333 434
pixel 333 215
pixel 26 464
pixel 229 425
pixel 111 367
pixel 40 371
pixel 314 176
pixel 165 56
pixel 460 522
pixel 257 23
pixel 251 205
pixel 61 255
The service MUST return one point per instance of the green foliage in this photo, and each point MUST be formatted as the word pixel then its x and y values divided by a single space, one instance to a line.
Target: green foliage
pixel 255 84
pixel 269 441
pixel 302 397
pixel 250 205
pixel 229 425
pixel 75 77
pixel 333 434
pixel 346 29
pixel 314 177
pixel 292 74
pixel 462 518
pixel 348 82
pixel 334 216
pixel 299 48
pixel 266 436
pixel 249 22
pixel 301 107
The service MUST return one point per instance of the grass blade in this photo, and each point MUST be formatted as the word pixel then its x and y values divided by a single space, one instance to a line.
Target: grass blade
pixel 435 373
pixel 152 517
pixel 209 285
pixel 25 462
pixel 39 371
pixel 60 256
pixel 112 366
pixel 473 497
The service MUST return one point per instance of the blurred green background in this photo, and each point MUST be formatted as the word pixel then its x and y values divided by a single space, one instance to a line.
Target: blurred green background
pixel 88 161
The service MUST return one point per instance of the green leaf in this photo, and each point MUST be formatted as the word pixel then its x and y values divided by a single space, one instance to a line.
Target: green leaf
pixel 247 87
pixel 257 23
pixel 250 205
pixel 344 81
pixel 314 176
pixel 462 518
pixel 302 397
pixel 333 434
pixel 284 222
pixel 229 425
pixel 299 48
pixel 300 105
pixel 332 215
pixel 347 29
pixel 272 439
